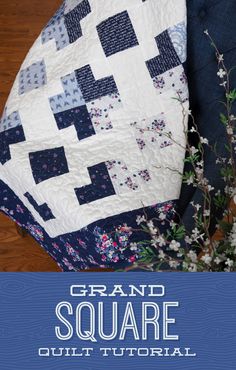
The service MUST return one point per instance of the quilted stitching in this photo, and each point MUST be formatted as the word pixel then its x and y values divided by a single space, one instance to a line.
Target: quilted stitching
pixel 85 152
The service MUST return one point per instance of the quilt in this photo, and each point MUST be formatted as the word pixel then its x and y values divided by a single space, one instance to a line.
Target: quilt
pixel 92 137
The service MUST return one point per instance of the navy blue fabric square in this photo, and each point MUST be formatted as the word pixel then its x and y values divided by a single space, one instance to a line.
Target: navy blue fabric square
pixel 92 89
pixel 80 118
pixel 167 59
pixel 48 163
pixel 101 186
pixel 73 18
pixel 117 34
pixel 11 136
pixel 43 210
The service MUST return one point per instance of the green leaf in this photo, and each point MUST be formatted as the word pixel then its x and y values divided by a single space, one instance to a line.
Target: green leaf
pixel 225 226
pixel 187 175
pixel 231 95
pixel 146 229
pixel 227 148
pixel 223 119
pixel 227 172
pixel 220 201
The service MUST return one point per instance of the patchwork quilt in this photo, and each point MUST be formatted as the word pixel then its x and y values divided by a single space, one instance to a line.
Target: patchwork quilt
pixel 92 136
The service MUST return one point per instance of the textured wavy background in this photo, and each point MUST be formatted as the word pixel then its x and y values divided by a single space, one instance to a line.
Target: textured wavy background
pixel 205 320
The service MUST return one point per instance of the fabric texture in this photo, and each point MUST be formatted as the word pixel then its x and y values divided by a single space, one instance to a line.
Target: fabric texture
pixel 218 17
pixel 87 133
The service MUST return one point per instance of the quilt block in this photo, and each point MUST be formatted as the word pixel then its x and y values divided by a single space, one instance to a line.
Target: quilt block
pixel 89 136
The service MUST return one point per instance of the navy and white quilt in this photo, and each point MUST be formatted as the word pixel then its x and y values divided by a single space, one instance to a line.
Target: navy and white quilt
pixel 86 137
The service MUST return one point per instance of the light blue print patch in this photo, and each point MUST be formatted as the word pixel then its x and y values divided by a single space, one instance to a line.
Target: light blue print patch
pixel 56 31
pixel 71 98
pixel 65 27
pixel 178 37
pixel 11 121
pixel 32 77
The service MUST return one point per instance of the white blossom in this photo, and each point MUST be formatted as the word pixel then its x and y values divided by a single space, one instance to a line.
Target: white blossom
pixel 206 213
pixel 188 240
pixel 223 84
pixel 110 254
pixel 180 254
pixel 199 171
pixel 229 130
pixel 150 224
pixel 140 219
pixel 133 246
pixel 193 150
pixel 230 190
pixel 162 216
pixel 195 232
pixel 188 112
pixel 210 188
pixel 207 242
pixel 217 260
pixel 200 163
pixel 232 235
pixel 204 181
pixel 154 243
pixel 221 73
pixel 196 206
pixel 203 140
pixel 161 255
pixel 174 264
pixel 190 180
pixel 192 267
pixel 174 245
pixel 192 255
pixel 229 262
pixel 161 241
pixel 206 259
pixel 152 229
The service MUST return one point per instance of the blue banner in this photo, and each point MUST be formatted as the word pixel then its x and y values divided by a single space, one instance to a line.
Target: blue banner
pixel 138 320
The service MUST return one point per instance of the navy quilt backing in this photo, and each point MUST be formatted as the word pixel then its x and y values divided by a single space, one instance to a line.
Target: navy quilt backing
pixel 205 92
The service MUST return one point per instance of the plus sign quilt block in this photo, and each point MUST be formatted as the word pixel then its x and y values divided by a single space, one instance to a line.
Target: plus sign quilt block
pixel 11 132
pixel 90 132
pixel 167 69
pixel 65 28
